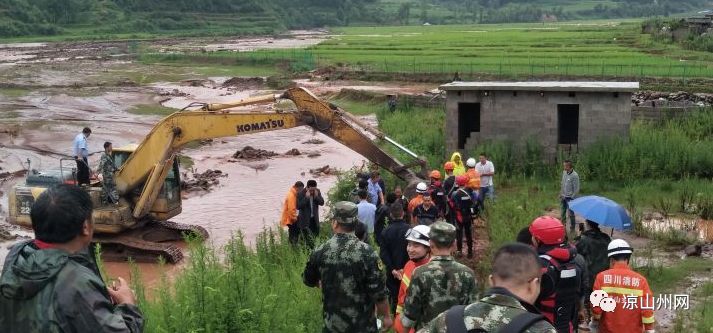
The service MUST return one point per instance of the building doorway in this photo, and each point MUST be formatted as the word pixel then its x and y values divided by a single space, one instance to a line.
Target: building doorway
pixel 468 121
pixel 567 124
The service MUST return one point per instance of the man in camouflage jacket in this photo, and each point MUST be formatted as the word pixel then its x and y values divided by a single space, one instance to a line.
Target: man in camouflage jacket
pixel 348 273
pixel 516 285
pixel 107 169
pixel 52 284
pixel 441 283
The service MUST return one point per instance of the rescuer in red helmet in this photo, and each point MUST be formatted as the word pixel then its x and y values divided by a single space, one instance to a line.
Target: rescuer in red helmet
pixel 561 287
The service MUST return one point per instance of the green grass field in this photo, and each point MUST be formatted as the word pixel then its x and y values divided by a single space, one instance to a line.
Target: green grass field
pixel 589 48
pixel 595 49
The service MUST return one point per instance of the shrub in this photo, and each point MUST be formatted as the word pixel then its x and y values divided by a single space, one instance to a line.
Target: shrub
pixel 248 290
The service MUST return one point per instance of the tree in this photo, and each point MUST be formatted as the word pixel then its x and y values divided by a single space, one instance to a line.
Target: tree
pixel 404 13
pixel 424 11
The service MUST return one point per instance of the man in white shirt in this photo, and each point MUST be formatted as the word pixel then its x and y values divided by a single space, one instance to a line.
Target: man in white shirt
pixel 80 151
pixel 486 169
pixel 366 212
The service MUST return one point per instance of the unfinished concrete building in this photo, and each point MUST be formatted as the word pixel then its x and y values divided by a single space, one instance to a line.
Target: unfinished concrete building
pixel 559 115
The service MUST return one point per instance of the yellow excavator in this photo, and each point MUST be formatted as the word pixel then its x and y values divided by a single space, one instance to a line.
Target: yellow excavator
pixel 148 177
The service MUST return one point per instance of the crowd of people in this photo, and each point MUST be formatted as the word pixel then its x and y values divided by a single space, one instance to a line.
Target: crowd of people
pixel 539 283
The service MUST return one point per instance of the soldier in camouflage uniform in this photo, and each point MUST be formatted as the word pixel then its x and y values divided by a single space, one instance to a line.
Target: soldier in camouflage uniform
pixel 52 283
pixel 348 273
pixel 516 285
pixel 107 169
pixel 441 283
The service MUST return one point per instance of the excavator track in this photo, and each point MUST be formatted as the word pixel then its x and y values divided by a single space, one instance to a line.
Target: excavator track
pixel 124 248
pixel 149 243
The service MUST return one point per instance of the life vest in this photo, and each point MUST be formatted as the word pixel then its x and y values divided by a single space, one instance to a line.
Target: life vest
pixel 560 306
pixel 403 289
pixel 463 205
pixel 438 194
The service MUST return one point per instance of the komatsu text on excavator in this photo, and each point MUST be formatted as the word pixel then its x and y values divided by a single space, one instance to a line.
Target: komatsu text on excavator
pixel 148 176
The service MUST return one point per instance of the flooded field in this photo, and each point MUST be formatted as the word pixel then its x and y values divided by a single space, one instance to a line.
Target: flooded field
pixel 57 89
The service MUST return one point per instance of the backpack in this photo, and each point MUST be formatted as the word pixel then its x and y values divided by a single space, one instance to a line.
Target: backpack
pixel 439 197
pixel 463 212
pixel 455 322
pixel 567 279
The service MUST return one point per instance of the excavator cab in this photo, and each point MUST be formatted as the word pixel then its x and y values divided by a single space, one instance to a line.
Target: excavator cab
pixel 168 202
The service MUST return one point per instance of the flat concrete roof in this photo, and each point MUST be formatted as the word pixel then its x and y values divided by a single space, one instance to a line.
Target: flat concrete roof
pixel 545 86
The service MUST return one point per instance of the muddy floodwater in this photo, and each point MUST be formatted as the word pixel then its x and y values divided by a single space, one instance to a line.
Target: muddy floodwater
pixel 249 199
pixel 61 88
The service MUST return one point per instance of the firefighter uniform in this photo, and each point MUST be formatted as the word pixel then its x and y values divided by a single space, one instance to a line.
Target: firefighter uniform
pixel 620 283
pixel 405 282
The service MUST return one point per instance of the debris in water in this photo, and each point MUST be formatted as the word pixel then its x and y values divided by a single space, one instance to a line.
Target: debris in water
pixel 323 171
pixel 6 235
pixel 244 83
pixel 314 142
pixel 693 250
pixel 126 82
pixel 6 175
pixel 202 181
pixel 250 153
pixel 198 83
pixel 314 154
pixel 293 152
pixel 174 92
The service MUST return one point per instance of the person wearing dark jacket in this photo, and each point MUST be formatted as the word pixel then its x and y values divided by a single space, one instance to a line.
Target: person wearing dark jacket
pixel 52 283
pixel 382 214
pixel 465 210
pixel 308 202
pixel 393 250
pixel 449 185
pixel 592 245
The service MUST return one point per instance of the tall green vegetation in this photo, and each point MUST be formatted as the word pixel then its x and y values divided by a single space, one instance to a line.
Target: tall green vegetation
pixel 669 31
pixel 239 289
pixel 672 150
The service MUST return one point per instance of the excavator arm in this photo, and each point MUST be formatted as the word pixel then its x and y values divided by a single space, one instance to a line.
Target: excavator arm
pixel 152 159
pixel 337 124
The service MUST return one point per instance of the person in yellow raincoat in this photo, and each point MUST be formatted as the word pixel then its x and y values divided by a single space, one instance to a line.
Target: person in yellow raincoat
pixel 458 161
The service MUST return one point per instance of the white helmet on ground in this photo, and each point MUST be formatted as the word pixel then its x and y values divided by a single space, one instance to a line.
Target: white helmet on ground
pixel 419 234
pixel 619 246
pixel 470 163
pixel 421 187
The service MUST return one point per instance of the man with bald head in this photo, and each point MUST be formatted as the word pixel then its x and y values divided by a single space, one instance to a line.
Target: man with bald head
pixel 508 305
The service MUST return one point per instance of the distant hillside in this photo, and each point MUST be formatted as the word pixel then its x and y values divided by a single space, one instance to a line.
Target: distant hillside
pixel 206 17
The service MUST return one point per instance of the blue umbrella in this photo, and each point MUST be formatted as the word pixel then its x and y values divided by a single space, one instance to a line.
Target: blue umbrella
pixel 601 210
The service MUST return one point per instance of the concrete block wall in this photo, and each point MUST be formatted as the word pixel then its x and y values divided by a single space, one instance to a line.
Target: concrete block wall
pixel 505 116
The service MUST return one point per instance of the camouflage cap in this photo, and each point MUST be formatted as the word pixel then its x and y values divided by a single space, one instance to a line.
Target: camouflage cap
pixel 442 233
pixel 345 212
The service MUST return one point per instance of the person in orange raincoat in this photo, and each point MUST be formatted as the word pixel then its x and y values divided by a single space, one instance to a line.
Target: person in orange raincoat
pixel 289 212
pixel 473 175
pixel 421 188
pixel 630 293
pixel 419 253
